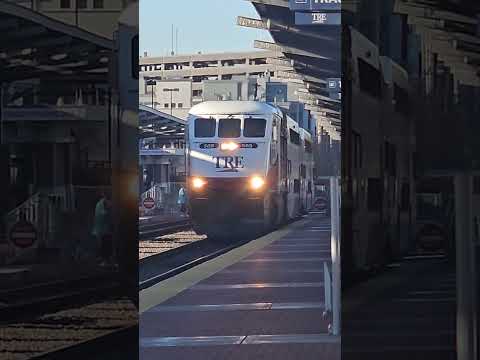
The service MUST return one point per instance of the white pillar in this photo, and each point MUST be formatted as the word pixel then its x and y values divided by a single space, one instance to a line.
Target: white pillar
pixel 335 250
pixel 464 266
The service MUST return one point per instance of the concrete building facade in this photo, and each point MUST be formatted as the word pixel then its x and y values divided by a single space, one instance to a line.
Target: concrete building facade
pixel 240 69
pixel 95 16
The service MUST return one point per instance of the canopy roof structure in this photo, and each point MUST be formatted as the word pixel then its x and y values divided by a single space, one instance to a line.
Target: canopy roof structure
pixel 312 52
pixel 34 46
pixel 450 29
pixel 154 123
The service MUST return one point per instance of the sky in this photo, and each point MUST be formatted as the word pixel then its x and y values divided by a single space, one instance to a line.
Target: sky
pixel 204 25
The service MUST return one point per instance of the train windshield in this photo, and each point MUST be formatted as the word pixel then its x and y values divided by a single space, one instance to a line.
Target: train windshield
pixel 205 128
pixel 254 127
pixel 229 128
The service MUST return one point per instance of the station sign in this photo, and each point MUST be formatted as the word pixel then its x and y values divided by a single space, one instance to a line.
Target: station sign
pixel 148 203
pixel 315 5
pixel 334 84
pixel 23 234
pixel 252 23
pixel 265 45
pixel 318 18
pixel 336 96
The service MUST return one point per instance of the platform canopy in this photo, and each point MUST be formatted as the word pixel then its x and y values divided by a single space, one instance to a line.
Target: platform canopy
pixel 312 52
pixel 451 29
pixel 154 123
pixel 35 46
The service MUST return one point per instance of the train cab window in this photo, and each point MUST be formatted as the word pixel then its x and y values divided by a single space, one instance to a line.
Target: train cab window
pixel 205 128
pixel 294 137
pixel 229 128
pixel 254 127
pixel 135 50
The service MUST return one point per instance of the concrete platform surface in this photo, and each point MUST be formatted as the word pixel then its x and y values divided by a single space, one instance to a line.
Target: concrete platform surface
pixel 263 300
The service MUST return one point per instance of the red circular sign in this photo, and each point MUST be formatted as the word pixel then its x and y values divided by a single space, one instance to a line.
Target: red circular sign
pixel 148 203
pixel 23 234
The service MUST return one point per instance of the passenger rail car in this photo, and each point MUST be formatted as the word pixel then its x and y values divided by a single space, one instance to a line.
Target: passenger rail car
pixel 381 170
pixel 123 128
pixel 247 168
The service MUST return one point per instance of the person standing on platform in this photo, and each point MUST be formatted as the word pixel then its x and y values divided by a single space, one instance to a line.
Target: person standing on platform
pixel 102 229
pixel 182 200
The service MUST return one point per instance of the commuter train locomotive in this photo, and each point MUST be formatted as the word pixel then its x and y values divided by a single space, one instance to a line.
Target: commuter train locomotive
pixel 249 168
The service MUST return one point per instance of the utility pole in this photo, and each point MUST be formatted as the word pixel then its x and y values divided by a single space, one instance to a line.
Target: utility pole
pixel 152 83
pixel 171 90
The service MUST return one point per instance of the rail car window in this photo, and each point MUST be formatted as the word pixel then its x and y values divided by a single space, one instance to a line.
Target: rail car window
pixel 370 79
pixel 229 128
pixel 374 193
pixel 401 100
pixel 294 137
pixel 296 186
pixel 405 201
pixel 303 171
pixel 205 128
pixel 308 146
pixel 254 127
pixel 135 49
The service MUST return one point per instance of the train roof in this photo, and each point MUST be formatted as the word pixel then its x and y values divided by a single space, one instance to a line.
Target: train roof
pixel 233 107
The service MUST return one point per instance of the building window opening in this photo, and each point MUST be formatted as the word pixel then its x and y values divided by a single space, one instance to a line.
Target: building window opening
pixel 294 137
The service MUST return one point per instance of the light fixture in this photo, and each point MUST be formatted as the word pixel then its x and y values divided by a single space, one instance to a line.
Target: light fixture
pixel 229 146
pixel 257 182
pixel 198 183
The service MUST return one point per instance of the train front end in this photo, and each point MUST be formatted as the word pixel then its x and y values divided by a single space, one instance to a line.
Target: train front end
pixel 227 167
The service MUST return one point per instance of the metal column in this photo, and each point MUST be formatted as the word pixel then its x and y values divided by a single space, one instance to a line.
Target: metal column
pixel 464 251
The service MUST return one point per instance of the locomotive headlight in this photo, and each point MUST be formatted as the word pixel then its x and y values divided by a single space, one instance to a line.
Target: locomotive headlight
pixel 229 146
pixel 198 183
pixel 257 182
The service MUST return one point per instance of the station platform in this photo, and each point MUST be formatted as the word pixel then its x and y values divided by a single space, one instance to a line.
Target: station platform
pixel 262 300
pixel 408 312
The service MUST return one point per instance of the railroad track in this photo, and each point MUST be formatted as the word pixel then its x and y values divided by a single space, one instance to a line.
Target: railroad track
pixel 173 262
pixel 156 268
pixel 35 300
pixel 100 330
pixel 154 229
pixel 121 344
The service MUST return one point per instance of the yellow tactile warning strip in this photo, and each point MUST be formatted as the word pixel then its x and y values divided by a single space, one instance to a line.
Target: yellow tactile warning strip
pixel 168 288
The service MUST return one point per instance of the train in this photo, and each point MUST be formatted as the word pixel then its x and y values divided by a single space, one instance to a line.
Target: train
pixel 249 168
pixel 123 147
pixel 378 210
